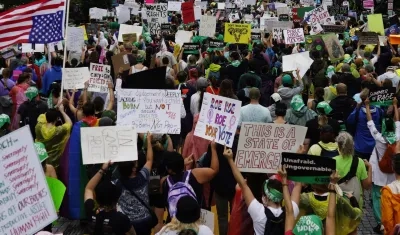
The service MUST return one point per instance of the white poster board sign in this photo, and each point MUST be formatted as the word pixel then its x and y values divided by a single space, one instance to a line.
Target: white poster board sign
pixel 207 26
pixel 277 34
pixel 75 78
pixel 157 111
pixel 183 36
pixel 26 202
pixel 51 46
pixel 99 77
pixel 156 14
pixel 219 118
pixel 207 219
pixel 174 6
pixel 123 13
pixel 197 12
pixel 75 39
pixel 126 29
pixel 28 48
pixel 102 144
pixel 261 145
pixel 293 36
pixel 97 13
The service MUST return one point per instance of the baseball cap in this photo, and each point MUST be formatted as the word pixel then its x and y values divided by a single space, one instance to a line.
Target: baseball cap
pixel 276 97
pixel 297 103
pixel 287 79
pixel 201 83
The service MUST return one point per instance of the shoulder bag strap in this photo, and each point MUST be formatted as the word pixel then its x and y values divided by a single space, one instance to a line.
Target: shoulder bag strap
pixel 187 176
pixel 5 85
pixel 352 172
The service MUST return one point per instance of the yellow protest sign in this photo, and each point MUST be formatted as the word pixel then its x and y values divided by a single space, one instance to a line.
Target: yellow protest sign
pixel 237 33
pixel 84 32
pixel 375 24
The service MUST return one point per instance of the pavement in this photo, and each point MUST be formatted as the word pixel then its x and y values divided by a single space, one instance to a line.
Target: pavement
pixel 68 227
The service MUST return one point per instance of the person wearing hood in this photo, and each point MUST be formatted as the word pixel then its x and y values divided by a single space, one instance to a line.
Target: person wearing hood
pixel 102 41
pixel 251 75
pixel 53 137
pixel 391 75
pixel 53 74
pixel 214 69
pixel 287 91
pixel 24 65
pixel 299 114
pixel 343 104
pixel 235 69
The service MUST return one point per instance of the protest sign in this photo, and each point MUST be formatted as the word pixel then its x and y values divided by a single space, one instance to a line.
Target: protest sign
pixel 55 46
pixel 26 203
pixel 187 12
pixel 317 15
pixel 298 13
pixel 255 36
pixel 30 48
pixel 75 41
pixel 316 29
pixel 216 44
pixel 157 14
pixel 191 48
pixel 91 29
pixel 57 191
pixel 269 25
pixel 197 12
pixel 366 38
pixel 141 80
pixel 99 77
pixel 183 36
pixel 75 78
pixel 123 13
pixel 129 29
pixel 237 33
pixel 375 24
pixel 308 169
pixel 202 5
pixel 111 143
pixel 207 219
pixel 283 17
pixel 207 26
pixel 340 12
pixel 382 96
pixel 166 29
pixel 8 54
pixel 335 50
pixel 293 62
pixel 157 111
pixel 219 117
pixel 261 145
pixel 282 11
pixel 97 13
pixel 277 34
pixel 293 36
pixel 221 5
pixel 120 61
pixel 174 6
pixel 333 28
pixel 129 38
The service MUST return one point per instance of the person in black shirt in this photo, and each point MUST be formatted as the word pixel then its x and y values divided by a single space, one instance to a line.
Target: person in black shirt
pixel 106 219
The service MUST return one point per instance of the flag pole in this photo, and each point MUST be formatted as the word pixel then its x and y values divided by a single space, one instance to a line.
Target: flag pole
pixel 65 47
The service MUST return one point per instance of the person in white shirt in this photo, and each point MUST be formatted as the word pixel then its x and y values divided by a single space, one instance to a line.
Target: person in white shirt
pixel 379 178
pixel 254 112
pixel 272 197
pixel 391 75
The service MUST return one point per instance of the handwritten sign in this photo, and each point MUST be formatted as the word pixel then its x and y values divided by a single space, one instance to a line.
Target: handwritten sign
pixel 293 36
pixel 207 219
pixel 102 144
pixel 261 145
pixel 75 41
pixel 174 6
pixel 157 14
pixel 75 78
pixel 340 12
pixel 366 38
pixel 308 169
pixel 237 33
pixel 277 34
pixel 207 26
pixel 157 111
pixel 99 77
pixel 382 96
pixel 317 15
pixel 25 199
pixel 219 117
pixel 127 29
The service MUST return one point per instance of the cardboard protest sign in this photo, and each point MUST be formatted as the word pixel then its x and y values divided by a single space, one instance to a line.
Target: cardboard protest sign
pixel 187 12
pixel 157 111
pixel 375 24
pixel 120 61
pixel 75 78
pixel 335 50
pixel 367 37
pixel 207 219
pixel 156 15
pixel 333 28
pixel 237 33
pixel 174 6
pixel 219 117
pixel 261 145
pixel 216 44
pixel 129 38
pixel 8 54
pixel 111 143
pixel 57 191
pixel 207 26
pixel 129 29
pixel 99 77
pixel 293 36
pixel 192 48
pixel 298 61
pixel 75 39
pixel 308 169
pixel 340 12
pixel 382 96
pixel 26 203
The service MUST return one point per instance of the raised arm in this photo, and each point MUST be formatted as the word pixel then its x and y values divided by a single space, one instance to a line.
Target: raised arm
pixel 112 97
pixel 94 181
pixel 289 219
pixel 149 153
pixel 204 175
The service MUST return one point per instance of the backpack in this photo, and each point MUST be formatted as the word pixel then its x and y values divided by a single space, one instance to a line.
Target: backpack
pixel 178 190
pixel 385 163
pixel 267 89
pixel 275 225
pixel 328 153
pixel 216 75
pixel 350 183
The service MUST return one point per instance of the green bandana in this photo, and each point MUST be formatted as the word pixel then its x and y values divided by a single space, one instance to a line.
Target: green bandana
pixel 330 71
pixel 4 118
pixel 297 103
pixel 308 225
pixel 41 151
pixel 31 93
pixel 324 106
pixel 389 136
pixel 272 194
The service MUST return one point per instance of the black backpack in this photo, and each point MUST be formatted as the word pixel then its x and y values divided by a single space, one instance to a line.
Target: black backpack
pixel 30 115
pixel 275 225
pixel 328 153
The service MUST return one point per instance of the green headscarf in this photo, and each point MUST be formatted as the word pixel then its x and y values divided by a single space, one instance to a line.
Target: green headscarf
pixel 297 103
pixel 4 118
pixel 390 136
pixel 31 93
pixel 272 194
pixel 324 106
pixel 41 151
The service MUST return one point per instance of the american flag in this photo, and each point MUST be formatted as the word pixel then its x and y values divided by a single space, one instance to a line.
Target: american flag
pixel 38 22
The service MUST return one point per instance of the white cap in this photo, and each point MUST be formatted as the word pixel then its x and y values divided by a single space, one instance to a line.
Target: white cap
pixel 276 97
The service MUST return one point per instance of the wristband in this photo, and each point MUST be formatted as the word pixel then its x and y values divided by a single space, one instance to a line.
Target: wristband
pixel 332 191
pixel 283 185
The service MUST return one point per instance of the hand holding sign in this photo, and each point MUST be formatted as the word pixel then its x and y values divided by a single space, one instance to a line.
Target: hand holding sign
pixel 228 153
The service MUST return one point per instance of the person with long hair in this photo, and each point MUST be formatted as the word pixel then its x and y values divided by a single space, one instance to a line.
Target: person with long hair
pixel 139 67
pixel 318 97
pixel 197 99
pixel 226 89
pixel 17 94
